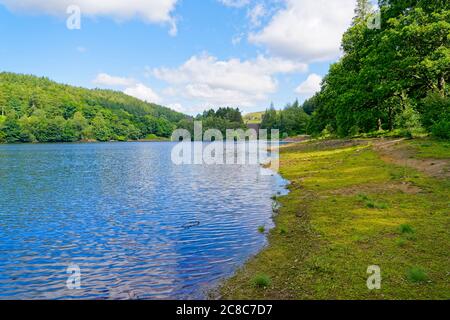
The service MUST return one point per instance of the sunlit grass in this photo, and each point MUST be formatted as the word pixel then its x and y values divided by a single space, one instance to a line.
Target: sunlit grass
pixel 344 213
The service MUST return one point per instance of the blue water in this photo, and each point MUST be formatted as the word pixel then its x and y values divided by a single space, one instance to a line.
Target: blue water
pixel 138 226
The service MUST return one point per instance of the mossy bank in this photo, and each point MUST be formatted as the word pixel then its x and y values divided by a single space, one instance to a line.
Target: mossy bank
pixel 355 204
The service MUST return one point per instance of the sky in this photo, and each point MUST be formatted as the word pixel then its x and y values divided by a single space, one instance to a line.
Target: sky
pixel 190 55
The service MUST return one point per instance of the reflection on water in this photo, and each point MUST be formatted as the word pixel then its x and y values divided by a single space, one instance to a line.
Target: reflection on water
pixel 138 226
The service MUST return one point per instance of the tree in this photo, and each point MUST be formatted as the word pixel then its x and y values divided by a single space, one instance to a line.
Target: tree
pixel 101 128
pixel 68 111
pixel 270 119
pixel 11 130
pixel 383 71
pixel 293 120
pixel 311 104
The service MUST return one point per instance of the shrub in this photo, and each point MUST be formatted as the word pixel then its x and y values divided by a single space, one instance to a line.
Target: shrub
pixel 417 274
pixel 435 108
pixel 261 229
pixel 441 129
pixel 354 131
pixel 261 281
pixel 409 121
pixel 363 197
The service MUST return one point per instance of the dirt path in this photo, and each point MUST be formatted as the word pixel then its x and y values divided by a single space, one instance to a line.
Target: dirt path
pixel 397 152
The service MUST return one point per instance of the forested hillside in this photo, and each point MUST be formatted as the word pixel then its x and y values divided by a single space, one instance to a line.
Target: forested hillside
pixel 393 77
pixel 36 109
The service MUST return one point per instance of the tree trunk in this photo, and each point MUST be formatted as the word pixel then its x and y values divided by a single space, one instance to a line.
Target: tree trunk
pixel 390 120
pixel 441 85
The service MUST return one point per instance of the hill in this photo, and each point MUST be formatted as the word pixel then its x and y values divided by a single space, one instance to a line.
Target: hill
pixel 254 117
pixel 35 109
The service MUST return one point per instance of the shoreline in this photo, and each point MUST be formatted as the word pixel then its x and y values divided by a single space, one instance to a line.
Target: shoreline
pixel 79 142
pixel 213 293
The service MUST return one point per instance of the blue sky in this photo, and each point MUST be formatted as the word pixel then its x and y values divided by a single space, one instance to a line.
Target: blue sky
pixel 187 54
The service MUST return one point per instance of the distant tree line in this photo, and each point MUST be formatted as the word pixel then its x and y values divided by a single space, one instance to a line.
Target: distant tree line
pixel 222 119
pixel 36 109
pixel 291 121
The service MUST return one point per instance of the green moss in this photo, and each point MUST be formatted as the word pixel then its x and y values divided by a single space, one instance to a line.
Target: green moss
pixel 417 274
pixel 434 149
pixel 261 281
pixel 406 228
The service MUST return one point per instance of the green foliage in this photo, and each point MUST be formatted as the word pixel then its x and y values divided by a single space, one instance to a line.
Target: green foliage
pixel 291 121
pixel 261 229
pixel 261 281
pixel 283 231
pixel 11 130
pixel 39 110
pixel 417 274
pixel 441 129
pixel 270 119
pixel 391 78
pixel 409 120
pixel 435 110
pixel 311 104
pixel 406 228
pixel 372 204
pixel 222 120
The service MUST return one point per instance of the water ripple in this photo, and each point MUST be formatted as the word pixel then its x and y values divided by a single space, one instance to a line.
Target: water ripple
pixel 137 226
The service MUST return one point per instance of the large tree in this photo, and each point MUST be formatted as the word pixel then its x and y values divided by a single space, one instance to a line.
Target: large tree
pixel 386 71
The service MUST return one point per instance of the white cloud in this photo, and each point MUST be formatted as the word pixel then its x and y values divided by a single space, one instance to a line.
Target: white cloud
pixel 104 79
pixel 143 93
pixel 308 30
pixel 176 106
pixel 236 39
pixel 213 82
pixel 235 3
pixel 256 13
pixel 153 11
pixel 130 87
pixel 310 86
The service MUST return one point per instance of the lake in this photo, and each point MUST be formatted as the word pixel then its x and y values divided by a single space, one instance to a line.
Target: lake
pixel 136 225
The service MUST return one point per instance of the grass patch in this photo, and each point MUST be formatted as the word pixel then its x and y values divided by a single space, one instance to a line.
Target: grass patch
pixel 376 205
pixel 372 204
pixel 417 275
pixel 261 229
pixel 261 281
pixel 401 243
pixel 406 228
pixel 432 149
